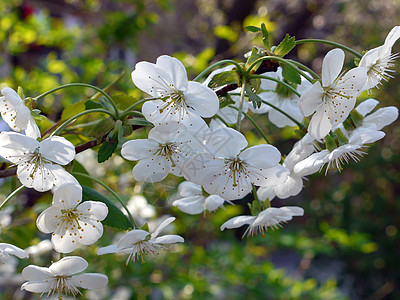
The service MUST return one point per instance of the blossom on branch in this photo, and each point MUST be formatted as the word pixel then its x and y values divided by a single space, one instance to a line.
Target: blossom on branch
pixel 17 115
pixel 39 164
pixel 179 99
pixel 335 98
pixel 139 242
pixel 62 278
pixel 72 223
pixel 6 250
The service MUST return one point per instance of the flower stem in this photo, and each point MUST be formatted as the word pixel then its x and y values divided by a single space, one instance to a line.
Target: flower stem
pixel 225 61
pixel 84 85
pixel 4 203
pixel 127 111
pixel 65 124
pixel 278 81
pixel 356 54
pixel 284 61
pixel 305 68
pixel 112 192
pixel 252 122
pixel 240 110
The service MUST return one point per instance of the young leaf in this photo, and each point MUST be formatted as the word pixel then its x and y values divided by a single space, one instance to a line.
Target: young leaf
pixel 90 104
pixel 72 110
pixel 105 104
pixel 115 217
pixel 253 97
pixel 291 75
pixel 101 128
pixel 78 167
pixel 265 39
pixel 227 77
pixel 252 28
pixel 285 46
pixel 108 147
pixel 255 54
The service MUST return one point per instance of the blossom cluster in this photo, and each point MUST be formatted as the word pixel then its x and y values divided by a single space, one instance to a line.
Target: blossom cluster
pixel 196 138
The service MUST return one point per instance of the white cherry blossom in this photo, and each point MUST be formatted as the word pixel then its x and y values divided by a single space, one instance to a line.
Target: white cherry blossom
pixel 227 171
pixel 62 278
pixel 193 201
pixel 6 250
pixel 335 98
pixel 72 223
pixel 180 100
pixel 380 60
pixel 39 164
pixel 341 155
pixel 167 147
pixel 270 217
pixel 17 115
pixel 138 242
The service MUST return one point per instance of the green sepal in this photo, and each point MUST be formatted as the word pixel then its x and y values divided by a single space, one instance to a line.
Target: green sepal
pixel 101 128
pixel 255 54
pixel 20 92
pixel 35 113
pixel 265 38
pixel 115 218
pixel 255 207
pixel 290 75
pixel 348 124
pixel 145 227
pixel 357 61
pixel 356 117
pixel 287 44
pixel 342 139
pixel 330 143
pixel 253 97
pixel 224 78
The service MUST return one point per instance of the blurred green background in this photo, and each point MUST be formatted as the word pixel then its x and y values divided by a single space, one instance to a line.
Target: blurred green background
pixel 347 245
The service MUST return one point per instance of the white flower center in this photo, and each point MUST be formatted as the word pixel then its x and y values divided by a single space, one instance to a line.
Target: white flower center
pixel 63 285
pixel 237 167
pixel 144 248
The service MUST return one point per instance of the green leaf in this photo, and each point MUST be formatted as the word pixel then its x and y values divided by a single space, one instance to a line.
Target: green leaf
pixel 252 28
pixel 253 97
pixel 285 46
pixel 101 128
pixel 291 75
pixel 265 39
pixel 139 122
pixel 115 217
pixel 123 101
pixel 73 110
pixel 90 104
pixel 255 54
pixel 78 167
pixel 20 92
pixel 108 147
pixel 227 77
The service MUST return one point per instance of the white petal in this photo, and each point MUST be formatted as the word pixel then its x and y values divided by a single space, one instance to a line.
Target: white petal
pixel 11 96
pixel 392 37
pixel 14 146
pixel 311 164
pixel 14 250
pixel 151 170
pixel 138 149
pixel 107 249
pixel 58 150
pixel 239 221
pixel 225 142
pixel 32 272
pixel 22 117
pixel 61 176
pixel 269 177
pixel 264 193
pixel 261 156
pixel 332 66
pixel 191 205
pixel 311 99
pixel 64 240
pixel 145 77
pixel 168 239
pixel 293 210
pixel 319 125
pixel 162 226
pixel 173 70
pixel 131 238
pixel 382 117
pixel 202 99
pixel 69 265
pixel 32 130
pixel 38 177
pixel 48 219
pixel 38 286
pixel 361 136
pixel 186 189
pixel 213 202
pixel 291 187
pixel 366 106
pixel 67 196
pixel 90 280
pixel 96 209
